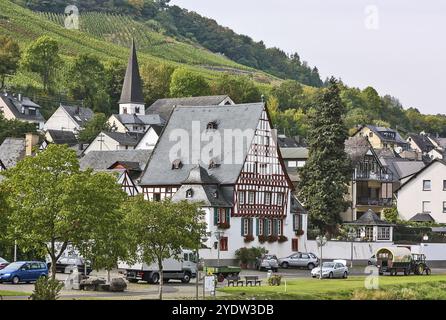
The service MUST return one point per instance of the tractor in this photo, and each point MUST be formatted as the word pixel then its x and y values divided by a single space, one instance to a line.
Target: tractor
pixel 418 264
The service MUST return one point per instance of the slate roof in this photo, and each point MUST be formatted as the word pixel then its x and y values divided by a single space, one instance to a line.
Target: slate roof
pixel 204 194
pixel 164 107
pixel 199 175
pixel 379 131
pixel 402 168
pixel 63 137
pixel 126 139
pixel 296 206
pixel 132 87
pixel 420 172
pixel 80 115
pixel 370 218
pixel 12 150
pixel 422 217
pixel 16 108
pixel 103 160
pixel 357 147
pixel 287 142
pixel 294 153
pixel 151 119
pixel 243 117
pixel 422 141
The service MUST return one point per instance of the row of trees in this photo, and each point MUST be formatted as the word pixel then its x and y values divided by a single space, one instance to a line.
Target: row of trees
pixel 47 204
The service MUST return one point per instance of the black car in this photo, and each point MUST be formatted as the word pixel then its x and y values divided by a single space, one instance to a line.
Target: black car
pixel 66 264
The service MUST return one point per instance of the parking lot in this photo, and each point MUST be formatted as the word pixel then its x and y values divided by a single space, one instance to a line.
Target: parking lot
pixel 172 290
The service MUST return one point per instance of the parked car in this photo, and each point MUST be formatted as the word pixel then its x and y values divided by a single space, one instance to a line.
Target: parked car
pixel 67 263
pixel 23 271
pixel 335 269
pixel 267 262
pixel 3 263
pixel 372 261
pixel 300 260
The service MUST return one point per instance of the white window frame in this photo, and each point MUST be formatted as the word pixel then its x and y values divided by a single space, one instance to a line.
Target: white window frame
pixel 301 164
pixel 268 196
pixel 261 227
pixel 280 199
pixel 246 227
pixel 270 227
pixel 251 196
pixel 292 164
pixel 279 227
pixel 383 233
pixel 241 197
pixel 430 185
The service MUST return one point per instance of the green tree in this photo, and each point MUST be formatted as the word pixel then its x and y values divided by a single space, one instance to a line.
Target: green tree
pixel 53 204
pixel 162 229
pixel 42 57
pixel 9 58
pixel 186 83
pixel 240 88
pixel 289 93
pixel 86 81
pixel 114 79
pixel 93 127
pixel 14 128
pixel 156 81
pixel 324 178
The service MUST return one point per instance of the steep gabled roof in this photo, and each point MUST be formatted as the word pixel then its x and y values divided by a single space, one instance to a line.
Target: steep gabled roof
pixel 242 117
pixel 12 150
pixel 126 139
pixel 207 195
pixel 63 137
pixel 420 172
pixel 422 141
pixel 80 115
pixel 15 106
pixel 103 160
pixel 199 175
pixel 370 218
pixel 132 87
pixel 164 107
pixel 357 148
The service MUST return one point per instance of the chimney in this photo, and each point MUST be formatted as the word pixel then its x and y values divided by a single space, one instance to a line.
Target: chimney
pixel 20 97
pixel 31 140
pixel 78 110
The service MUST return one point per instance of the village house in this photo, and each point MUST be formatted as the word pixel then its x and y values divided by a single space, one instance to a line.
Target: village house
pixel 13 150
pixel 112 141
pixel 22 109
pixel 371 228
pixel 294 159
pixel 69 118
pixel 128 165
pixel 383 138
pixel 245 188
pixel 422 197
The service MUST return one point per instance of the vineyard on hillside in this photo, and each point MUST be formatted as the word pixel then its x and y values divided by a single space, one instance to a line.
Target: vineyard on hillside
pixel 120 30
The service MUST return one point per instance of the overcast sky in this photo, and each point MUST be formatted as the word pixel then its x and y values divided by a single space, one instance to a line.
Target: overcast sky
pixel 396 46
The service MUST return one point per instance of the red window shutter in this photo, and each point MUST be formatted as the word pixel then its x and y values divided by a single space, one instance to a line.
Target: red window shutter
pixel 224 244
pixel 295 245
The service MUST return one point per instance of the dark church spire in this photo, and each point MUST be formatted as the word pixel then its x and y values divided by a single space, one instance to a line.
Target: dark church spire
pixel 132 88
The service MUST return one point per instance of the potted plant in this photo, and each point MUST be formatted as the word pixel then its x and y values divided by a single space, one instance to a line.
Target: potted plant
pixel 263 239
pixel 249 238
pixel 282 239
pixel 275 280
pixel 299 232
pixel 272 238
pixel 243 255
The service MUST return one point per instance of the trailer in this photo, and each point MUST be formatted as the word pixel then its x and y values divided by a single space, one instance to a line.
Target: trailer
pixel 400 259
pixel 223 272
pixel 182 268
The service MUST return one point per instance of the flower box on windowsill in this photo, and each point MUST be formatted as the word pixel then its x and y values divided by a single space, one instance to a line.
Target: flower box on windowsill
pixel 249 238
pixel 272 239
pixel 263 239
pixel 299 232
pixel 282 239
pixel 224 225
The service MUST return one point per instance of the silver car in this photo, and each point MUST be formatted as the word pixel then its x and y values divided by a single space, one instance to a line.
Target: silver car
pixel 372 261
pixel 267 262
pixel 300 260
pixel 331 270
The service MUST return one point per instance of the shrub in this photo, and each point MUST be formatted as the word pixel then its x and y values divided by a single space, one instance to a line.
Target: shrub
pixel 247 256
pixel 275 280
pixel 46 289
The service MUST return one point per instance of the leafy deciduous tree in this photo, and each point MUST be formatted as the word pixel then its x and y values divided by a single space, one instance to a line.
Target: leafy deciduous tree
pixel 9 58
pixel 93 127
pixel 186 83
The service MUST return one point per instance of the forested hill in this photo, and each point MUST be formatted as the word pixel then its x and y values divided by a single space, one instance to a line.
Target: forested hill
pixel 190 26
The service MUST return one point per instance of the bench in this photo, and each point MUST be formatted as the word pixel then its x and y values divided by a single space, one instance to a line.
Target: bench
pixel 234 280
pixel 253 281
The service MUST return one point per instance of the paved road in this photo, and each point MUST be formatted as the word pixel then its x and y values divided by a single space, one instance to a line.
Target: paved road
pixel 172 290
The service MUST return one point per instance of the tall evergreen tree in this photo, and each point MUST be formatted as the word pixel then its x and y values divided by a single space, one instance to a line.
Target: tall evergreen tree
pixel 325 177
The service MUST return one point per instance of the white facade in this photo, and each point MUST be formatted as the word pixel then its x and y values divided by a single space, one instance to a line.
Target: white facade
pixel 116 124
pixel 105 143
pixel 149 140
pixel 61 120
pixel 425 192
pixel 132 108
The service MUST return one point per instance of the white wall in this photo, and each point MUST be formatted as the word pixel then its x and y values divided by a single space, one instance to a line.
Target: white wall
pixel 107 144
pixel 410 198
pixel 60 120
pixel 114 122
pixel 149 140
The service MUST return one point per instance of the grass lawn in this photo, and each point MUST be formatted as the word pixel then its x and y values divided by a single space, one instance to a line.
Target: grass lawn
pixel 7 293
pixel 399 287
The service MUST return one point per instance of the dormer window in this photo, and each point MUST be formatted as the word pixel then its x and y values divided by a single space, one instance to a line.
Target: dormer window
pixel 213 164
pixel 177 164
pixel 212 125
pixel 189 193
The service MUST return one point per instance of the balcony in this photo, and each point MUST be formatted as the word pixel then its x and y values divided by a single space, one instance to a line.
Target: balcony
pixel 370 175
pixel 366 201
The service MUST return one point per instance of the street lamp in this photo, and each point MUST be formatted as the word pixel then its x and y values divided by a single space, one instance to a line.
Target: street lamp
pixel 321 241
pixel 425 239
pixel 351 236
pixel 218 235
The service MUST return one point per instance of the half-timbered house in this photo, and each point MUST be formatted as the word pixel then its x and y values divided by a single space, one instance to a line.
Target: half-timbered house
pixel 227 157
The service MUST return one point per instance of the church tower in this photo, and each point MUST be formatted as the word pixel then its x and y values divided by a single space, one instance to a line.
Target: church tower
pixel 132 98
